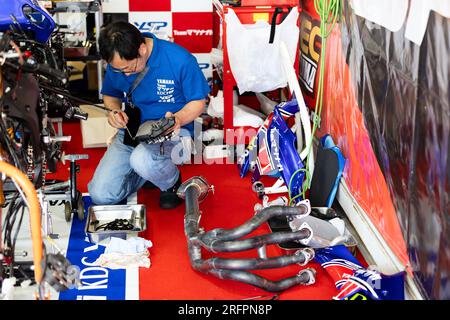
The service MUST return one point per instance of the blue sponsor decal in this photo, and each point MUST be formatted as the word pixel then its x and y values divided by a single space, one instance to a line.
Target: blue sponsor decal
pixel 203 65
pixel 150 25
pixel 96 283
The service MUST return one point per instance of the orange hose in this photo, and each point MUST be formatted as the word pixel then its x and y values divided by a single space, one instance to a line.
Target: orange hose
pixel 35 213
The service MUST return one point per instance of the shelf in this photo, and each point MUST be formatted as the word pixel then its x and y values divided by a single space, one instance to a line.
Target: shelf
pixel 87 6
pixel 84 58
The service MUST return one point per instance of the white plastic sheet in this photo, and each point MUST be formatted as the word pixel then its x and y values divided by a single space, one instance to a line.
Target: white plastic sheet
pixel 256 63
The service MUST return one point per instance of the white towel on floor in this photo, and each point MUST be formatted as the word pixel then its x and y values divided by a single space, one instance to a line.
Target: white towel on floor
pixel 121 253
pixel 131 245
pixel 122 261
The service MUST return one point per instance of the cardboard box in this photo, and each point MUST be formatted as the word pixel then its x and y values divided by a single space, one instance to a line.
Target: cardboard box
pixel 92 75
pixel 96 130
pixel 77 69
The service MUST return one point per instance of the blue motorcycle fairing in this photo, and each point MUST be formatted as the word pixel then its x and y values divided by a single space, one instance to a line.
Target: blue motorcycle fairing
pixel 328 143
pixel 324 255
pixel 282 146
pixel 29 15
pixel 355 282
pixel 287 110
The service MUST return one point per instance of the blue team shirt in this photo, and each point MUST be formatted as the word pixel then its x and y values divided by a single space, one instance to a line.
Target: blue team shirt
pixel 173 79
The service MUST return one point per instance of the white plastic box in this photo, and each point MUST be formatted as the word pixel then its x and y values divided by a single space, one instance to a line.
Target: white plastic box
pixel 95 130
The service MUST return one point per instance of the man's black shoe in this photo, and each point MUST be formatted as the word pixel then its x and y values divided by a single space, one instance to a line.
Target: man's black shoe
pixel 169 199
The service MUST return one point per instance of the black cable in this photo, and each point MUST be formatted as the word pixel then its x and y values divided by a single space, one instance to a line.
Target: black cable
pixel 18 227
pixel 6 217
pixel 12 213
pixel 10 219
pixel 14 239
pixel 42 47
pixel 52 55
pixel 41 283
pixel 9 146
pixel 68 95
pixel 24 274
pixel 117 224
pixel 7 225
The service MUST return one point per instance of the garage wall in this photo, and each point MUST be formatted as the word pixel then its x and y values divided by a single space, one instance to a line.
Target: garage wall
pixel 386 103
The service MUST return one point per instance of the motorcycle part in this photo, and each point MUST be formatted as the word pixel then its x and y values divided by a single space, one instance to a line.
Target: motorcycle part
pixel 59 272
pixel 76 203
pixel 35 213
pixel 227 240
pixel 27 16
pixel 152 131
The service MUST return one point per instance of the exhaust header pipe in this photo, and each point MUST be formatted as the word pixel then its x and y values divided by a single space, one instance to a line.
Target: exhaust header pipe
pixel 195 190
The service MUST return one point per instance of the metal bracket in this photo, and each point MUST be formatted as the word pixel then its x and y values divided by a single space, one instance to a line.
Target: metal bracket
pixel 308 253
pixel 307 240
pixel 76 157
pixel 312 275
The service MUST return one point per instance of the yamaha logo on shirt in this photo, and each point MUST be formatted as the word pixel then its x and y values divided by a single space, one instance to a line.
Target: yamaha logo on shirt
pixel 165 90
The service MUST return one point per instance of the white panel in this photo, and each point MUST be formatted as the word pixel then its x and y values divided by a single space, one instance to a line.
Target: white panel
pixel 192 6
pixel 419 14
pixel 160 23
pixel 204 62
pixel 75 22
pixel 115 6
pixel 387 13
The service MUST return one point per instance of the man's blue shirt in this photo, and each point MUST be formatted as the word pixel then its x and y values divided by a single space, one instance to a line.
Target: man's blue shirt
pixel 173 79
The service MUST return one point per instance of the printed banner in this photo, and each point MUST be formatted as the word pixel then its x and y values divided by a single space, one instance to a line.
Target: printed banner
pixel 97 283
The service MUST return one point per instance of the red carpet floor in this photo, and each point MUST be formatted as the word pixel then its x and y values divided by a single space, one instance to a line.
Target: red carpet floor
pixel 170 275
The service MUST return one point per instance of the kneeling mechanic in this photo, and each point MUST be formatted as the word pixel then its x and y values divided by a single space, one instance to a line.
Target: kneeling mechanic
pixel 157 79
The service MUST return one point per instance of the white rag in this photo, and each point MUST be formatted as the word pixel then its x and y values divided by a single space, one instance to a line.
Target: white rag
pixel 128 253
pixel 122 261
pixel 131 245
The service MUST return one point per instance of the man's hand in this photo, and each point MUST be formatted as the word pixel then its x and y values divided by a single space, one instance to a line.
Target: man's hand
pixel 117 119
pixel 177 126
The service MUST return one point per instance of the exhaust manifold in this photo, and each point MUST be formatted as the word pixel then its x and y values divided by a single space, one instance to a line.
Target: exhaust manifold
pixel 194 191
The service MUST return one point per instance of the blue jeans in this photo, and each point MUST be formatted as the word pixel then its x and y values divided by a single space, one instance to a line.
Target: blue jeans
pixel 124 169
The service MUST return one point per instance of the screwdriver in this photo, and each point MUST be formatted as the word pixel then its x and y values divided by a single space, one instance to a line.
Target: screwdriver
pixel 116 112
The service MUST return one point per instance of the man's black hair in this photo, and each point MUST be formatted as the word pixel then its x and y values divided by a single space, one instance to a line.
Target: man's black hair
pixel 121 37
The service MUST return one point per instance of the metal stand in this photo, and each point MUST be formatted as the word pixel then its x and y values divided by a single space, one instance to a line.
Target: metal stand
pixel 72 197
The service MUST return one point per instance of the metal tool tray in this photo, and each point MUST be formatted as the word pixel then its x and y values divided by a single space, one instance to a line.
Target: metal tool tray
pixel 105 214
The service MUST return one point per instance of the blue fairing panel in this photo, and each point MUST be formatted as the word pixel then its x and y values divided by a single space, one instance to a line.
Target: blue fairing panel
pixel 26 15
